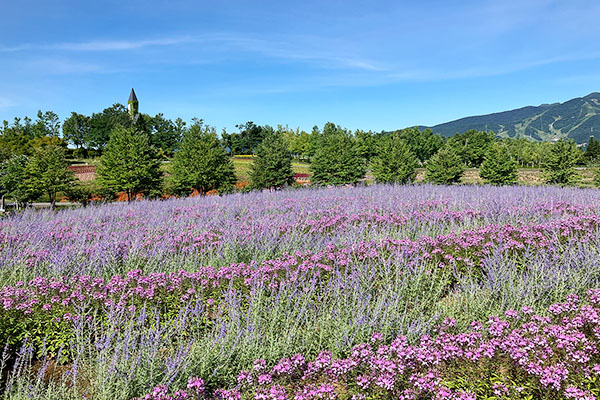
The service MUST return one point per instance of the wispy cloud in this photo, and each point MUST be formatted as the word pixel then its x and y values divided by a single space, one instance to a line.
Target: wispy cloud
pixel 101 45
pixel 288 49
pixel 508 67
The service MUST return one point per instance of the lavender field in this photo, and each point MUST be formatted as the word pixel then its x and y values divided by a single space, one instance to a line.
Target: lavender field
pixel 404 292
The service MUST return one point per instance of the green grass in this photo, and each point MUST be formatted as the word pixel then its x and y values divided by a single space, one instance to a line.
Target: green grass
pixel 242 165
pixel 527 176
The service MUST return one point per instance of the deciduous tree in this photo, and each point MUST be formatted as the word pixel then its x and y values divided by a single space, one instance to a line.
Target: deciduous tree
pixel 76 129
pixel 13 179
pixel 48 173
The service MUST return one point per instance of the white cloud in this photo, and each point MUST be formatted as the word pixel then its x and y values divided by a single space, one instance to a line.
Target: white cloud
pixel 310 50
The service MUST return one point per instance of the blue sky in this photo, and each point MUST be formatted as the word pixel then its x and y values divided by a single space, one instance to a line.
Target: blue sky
pixel 376 65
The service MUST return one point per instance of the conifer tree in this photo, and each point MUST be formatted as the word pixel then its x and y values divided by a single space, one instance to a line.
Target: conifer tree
pixel 336 160
pixel 129 164
pixel 201 162
pixel 559 166
pixel 498 167
pixel 592 152
pixel 272 166
pixel 444 167
pixel 394 162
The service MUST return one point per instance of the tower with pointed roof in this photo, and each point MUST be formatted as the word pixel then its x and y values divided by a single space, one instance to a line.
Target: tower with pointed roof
pixel 132 104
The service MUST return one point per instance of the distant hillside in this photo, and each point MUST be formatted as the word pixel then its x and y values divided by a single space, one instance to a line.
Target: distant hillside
pixel 577 119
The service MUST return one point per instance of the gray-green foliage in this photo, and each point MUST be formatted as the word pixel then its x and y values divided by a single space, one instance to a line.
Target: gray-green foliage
pixel 130 164
pixel 444 167
pixel 394 163
pixel 272 166
pixel 13 176
pixel 559 166
pixel 131 355
pixel 47 173
pixel 337 160
pixel 498 167
pixel 201 162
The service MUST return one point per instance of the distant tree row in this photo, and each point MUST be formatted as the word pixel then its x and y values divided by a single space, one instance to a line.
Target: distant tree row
pixel 89 136
pixel 33 156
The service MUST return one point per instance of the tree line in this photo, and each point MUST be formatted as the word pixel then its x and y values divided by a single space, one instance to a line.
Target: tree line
pixel 132 151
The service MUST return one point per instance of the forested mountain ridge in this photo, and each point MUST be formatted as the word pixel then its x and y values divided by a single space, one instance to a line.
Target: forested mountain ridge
pixel 576 119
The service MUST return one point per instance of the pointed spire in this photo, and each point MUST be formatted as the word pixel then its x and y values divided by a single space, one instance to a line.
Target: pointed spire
pixel 132 104
pixel 132 97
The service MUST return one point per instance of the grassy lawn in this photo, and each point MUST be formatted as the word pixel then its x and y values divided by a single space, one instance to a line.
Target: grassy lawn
pixel 527 176
pixel 242 167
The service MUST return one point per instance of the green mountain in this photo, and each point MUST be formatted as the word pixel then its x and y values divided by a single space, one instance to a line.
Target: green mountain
pixel 577 119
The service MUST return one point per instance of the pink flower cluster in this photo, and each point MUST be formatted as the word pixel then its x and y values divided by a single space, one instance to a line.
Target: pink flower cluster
pixel 468 247
pixel 195 390
pixel 526 354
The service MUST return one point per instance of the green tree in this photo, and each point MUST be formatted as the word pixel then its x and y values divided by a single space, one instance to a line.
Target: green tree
pixel 336 160
pixel 366 144
pixel 201 162
pixel 48 173
pixel 559 165
pixel 272 166
pixel 592 152
pixel 102 124
pixel 76 129
pixel 394 162
pixel 423 144
pixel 15 138
pixel 247 141
pixel 444 167
pixel 13 178
pixel 47 124
pixel 130 164
pixel 47 141
pixel 165 134
pixel 471 146
pixel 498 167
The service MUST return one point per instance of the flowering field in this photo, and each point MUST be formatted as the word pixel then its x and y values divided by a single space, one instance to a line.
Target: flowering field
pixel 410 292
